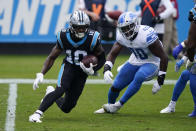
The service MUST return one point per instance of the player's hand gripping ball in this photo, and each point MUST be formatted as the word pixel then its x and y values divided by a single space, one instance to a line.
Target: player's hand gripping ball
pixel 89 59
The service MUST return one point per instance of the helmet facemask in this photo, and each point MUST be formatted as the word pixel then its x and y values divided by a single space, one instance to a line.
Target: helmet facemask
pixel 79 30
pixel 128 31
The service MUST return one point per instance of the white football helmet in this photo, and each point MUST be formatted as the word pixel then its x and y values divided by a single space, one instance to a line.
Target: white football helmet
pixel 128 24
pixel 79 23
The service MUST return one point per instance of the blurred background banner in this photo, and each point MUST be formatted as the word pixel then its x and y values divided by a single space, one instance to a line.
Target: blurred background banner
pixel 37 21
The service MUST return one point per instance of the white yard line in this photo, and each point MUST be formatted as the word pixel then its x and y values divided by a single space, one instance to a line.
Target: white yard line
pixel 11 108
pixel 89 81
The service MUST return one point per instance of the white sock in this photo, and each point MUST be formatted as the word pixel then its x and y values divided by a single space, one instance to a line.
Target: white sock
pixel 39 112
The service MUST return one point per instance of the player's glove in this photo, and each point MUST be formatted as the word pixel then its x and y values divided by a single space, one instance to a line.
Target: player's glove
pixel 178 49
pixel 107 72
pixel 39 79
pixel 88 71
pixel 156 19
pixel 192 15
pixel 160 81
pixel 180 63
pixel 189 64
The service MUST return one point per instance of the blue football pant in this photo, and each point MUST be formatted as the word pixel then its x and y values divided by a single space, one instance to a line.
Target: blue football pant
pixel 133 76
pixel 181 83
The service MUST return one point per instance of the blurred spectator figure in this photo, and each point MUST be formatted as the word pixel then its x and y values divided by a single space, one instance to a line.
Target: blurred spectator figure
pixel 153 13
pixel 170 38
pixel 100 20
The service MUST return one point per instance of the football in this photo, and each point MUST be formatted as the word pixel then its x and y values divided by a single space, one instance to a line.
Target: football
pixel 89 59
pixel 114 14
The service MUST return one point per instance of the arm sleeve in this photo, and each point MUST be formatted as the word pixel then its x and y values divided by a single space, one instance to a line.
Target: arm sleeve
pixel 169 9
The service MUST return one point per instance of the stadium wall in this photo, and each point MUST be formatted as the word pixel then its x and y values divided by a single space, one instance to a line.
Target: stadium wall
pixel 30 26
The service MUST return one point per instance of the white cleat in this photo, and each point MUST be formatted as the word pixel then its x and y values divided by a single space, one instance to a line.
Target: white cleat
pixel 100 111
pixel 168 110
pixel 49 89
pixel 35 118
pixel 112 108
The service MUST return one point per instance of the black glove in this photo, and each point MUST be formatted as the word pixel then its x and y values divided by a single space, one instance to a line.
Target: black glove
pixel 190 18
pixel 156 19
pixel 192 15
pixel 106 67
pixel 161 79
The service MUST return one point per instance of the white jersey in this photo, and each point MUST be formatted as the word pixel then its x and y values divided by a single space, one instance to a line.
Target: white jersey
pixel 139 46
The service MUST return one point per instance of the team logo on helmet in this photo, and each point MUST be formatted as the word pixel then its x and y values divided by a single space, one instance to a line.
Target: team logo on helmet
pixel 128 24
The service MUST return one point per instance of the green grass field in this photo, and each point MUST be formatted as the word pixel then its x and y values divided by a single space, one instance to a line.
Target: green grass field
pixel 140 113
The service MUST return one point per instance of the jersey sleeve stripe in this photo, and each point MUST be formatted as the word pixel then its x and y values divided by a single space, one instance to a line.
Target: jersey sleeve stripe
pixel 60 75
pixel 94 41
pixel 59 39
pixel 151 38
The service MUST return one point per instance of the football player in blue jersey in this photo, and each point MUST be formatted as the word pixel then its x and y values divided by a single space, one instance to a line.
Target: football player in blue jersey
pixel 190 72
pixel 76 41
pixel 147 60
pixel 187 75
pixel 190 43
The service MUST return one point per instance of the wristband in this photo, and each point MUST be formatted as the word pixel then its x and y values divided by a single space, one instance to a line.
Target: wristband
pixel 161 73
pixel 183 44
pixel 106 68
pixel 109 63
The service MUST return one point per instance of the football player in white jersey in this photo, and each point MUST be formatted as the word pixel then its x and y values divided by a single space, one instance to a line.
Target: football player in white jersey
pixel 147 60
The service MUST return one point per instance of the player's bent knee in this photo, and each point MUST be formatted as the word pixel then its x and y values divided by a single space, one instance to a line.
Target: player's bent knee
pixel 67 109
pixel 185 75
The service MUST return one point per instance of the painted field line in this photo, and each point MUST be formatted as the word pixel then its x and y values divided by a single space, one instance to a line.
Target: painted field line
pixel 89 81
pixel 11 108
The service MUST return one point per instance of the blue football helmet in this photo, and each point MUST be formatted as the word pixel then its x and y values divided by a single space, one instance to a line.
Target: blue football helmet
pixel 128 24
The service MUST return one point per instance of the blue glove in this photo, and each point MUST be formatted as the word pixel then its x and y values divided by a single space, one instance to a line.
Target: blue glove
pixel 177 50
pixel 178 65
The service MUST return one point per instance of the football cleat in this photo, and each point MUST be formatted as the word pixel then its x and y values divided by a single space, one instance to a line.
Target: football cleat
pixel 35 118
pixel 112 108
pixel 49 89
pixel 193 114
pixel 168 110
pixel 100 111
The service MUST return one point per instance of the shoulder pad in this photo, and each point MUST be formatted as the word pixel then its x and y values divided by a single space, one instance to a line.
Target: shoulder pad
pixel 94 40
pixel 59 38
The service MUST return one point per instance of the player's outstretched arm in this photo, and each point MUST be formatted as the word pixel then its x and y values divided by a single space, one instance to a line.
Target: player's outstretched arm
pixel 157 49
pixel 110 61
pixel 56 51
